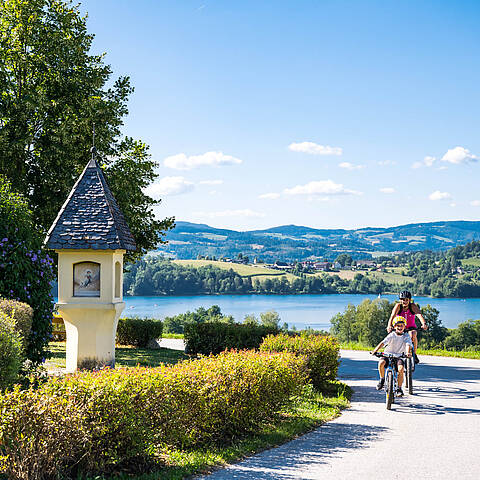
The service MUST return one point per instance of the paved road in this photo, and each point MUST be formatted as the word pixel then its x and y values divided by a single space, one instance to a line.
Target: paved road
pixel 439 425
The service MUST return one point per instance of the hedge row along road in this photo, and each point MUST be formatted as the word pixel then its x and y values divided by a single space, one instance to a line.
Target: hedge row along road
pixel 439 425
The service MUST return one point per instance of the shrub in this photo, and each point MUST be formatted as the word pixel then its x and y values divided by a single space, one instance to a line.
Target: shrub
pixel 22 315
pixel 322 353
pixel 96 421
pixel 10 352
pixel 176 324
pixel 215 337
pixel 138 331
pixel 27 269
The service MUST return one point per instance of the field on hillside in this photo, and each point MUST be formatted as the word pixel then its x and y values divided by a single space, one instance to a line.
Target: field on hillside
pixel 474 261
pixel 388 277
pixel 254 271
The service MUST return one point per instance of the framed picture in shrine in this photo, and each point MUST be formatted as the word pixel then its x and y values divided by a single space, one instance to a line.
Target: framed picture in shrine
pixel 86 279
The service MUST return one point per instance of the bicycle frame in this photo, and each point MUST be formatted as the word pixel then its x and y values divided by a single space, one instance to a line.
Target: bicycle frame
pixel 391 376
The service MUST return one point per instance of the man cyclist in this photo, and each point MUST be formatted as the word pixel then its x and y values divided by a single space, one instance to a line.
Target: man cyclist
pixel 408 310
pixel 395 342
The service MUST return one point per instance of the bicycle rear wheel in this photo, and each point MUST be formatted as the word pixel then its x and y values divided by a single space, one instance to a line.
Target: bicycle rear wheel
pixel 409 376
pixel 389 390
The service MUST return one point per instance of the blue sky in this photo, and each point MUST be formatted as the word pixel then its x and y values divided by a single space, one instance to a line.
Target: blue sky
pixel 329 114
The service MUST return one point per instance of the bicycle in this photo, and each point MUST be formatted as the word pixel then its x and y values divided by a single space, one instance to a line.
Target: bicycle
pixel 409 369
pixel 391 376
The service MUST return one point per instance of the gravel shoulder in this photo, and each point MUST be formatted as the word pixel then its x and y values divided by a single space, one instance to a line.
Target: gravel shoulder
pixel 438 427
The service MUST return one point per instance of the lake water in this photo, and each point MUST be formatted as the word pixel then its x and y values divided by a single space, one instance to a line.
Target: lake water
pixel 303 311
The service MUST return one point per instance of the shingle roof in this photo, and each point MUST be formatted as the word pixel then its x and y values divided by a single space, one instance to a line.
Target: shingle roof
pixel 90 217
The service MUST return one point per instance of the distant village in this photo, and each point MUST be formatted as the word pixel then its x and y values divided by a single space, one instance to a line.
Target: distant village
pixel 305 266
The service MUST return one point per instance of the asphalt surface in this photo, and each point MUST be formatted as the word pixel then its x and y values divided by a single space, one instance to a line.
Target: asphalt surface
pixel 432 434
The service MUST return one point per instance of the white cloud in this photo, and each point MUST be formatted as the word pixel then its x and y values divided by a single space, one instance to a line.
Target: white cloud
pixel 459 155
pixel 230 213
pixel 387 190
pixel 350 166
pixel 169 186
pixel 428 161
pixel 314 148
pixel 269 196
pixel 321 187
pixel 475 203
pixel 453 204
pixel 438 195
pixel 213 159
pixel 210 182
pixel 385 163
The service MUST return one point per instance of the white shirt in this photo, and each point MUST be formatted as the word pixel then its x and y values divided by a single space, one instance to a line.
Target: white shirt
pixel 397 343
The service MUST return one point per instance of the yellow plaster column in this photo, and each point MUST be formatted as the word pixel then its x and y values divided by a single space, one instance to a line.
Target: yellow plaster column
pixel 90 301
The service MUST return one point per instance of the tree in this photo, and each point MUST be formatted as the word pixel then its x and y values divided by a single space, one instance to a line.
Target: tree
pixel 270 318
pixel 52 91
pixel 25 268
pixel 344 259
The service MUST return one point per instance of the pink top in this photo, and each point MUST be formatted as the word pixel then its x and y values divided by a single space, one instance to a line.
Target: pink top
pixel 409 317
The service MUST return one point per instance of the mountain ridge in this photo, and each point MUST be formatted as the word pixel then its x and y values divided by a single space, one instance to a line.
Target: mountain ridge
pixel 294 242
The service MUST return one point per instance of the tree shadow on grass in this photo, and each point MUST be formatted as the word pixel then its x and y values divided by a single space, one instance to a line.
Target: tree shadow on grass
pixel 314 448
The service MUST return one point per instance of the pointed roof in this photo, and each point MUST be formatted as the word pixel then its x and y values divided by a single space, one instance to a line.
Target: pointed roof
pixel 90 217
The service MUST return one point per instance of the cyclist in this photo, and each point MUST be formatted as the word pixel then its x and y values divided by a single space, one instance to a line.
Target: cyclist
pixel 395 342
pixel 408 310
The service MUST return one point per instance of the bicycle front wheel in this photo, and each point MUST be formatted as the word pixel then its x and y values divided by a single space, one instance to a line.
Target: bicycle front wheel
pixel 389 390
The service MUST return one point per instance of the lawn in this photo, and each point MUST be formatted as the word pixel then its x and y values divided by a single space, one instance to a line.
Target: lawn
pixel 125 356
pixel 474 262
pixel 394 278
pixel 242 270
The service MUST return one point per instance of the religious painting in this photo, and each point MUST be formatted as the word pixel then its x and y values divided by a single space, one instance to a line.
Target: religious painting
pixel 86 279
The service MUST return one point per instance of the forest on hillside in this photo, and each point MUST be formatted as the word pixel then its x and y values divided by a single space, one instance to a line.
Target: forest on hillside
pixel 454 273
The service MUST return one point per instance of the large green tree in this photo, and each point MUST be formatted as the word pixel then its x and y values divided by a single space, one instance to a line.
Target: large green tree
pixel 52 91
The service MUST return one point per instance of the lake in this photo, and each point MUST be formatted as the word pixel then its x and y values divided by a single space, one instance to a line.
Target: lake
pixel 303 311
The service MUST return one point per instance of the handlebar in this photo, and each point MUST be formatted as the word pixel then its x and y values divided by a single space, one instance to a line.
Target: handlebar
pixel 388 355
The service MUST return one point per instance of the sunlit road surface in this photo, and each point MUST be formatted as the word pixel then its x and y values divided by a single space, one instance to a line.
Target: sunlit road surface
pixel 432 434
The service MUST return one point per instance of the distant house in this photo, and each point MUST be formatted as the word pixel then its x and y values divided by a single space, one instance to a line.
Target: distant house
pixel 283 266
pixel 322 266
pixel 366 263
pixel 337 265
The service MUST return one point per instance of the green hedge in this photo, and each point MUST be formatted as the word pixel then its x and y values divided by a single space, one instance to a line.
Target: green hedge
pixel 321 351
pixel 97 422
pixel 215 337
pixel 138 331
pixel 22 316
pixel 11 352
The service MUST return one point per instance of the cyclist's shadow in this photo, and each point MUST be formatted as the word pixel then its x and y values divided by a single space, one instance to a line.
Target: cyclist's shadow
pixel 408 404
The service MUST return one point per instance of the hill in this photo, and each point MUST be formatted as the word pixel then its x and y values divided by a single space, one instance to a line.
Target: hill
pixel 292 242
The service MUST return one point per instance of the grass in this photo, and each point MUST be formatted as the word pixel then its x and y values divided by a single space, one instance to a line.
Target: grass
pixel 309 411
pixel 172 335
pixel 394 278
pixel 421 351
pixel 474 261
pixel 125 356
pixel 242 270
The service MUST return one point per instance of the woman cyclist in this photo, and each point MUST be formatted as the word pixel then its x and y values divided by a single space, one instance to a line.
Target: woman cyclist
pixel 408 310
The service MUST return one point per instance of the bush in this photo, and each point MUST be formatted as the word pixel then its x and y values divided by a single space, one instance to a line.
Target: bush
pixel 99 421
pixel 322 353
pixel 22 315
pixel 27 269
pixel 176 324
pixel 215 337
pixel 10 352
pixel 137 331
